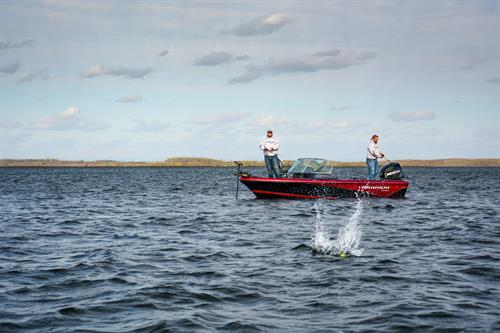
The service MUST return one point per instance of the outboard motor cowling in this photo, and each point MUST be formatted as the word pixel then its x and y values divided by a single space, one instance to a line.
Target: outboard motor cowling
pixel 392 171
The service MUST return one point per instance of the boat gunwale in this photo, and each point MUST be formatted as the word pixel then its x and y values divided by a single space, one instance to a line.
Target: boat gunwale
pixel 326 181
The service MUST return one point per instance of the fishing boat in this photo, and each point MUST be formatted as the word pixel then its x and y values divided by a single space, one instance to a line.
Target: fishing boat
pixel 313 178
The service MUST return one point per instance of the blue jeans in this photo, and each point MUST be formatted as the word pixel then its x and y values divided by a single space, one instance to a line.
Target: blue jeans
pixel 372 168
pixel 273 166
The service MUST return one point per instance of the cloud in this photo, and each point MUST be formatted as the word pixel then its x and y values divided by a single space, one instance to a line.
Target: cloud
pixel 11 68
pixel 336 125
pixel 64 120
pixel 15 45
pixel 340 108
pixel 163 53
pixel 32 76
pixel 129 73
pixel 214 58
pixel 68 119
pixel 262 26
pixel 69 113
pixel 272 121
pixel 129 99
pixel 218 58
pixel 220 118
pixel 327 60
pixel 241 57
pixel 9 124
pixel 412 116
pixel 251 74
pixel 301 127
pixel 142 125
pixel 94 71
pixel 494 80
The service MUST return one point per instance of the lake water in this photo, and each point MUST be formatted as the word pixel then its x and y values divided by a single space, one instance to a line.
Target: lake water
pixel 172 250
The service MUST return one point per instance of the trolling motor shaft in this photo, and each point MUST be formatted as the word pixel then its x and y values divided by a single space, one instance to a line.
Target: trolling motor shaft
pixel 238 174
pixel 239 170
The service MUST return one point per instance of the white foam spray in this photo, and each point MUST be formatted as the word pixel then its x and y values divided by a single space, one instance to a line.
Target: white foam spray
pixel 348 237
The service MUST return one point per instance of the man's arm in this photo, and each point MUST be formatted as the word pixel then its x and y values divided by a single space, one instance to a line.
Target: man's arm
pixel 262 145
pixel 275 145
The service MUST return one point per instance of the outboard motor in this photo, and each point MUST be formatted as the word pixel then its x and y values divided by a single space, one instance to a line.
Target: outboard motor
pixel 392 171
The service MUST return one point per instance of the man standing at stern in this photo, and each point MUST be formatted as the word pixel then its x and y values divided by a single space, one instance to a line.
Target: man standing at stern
pixel 372 155
pixel 270 146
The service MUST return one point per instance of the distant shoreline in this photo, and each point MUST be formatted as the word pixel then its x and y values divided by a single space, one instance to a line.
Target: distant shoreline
pixel 208 162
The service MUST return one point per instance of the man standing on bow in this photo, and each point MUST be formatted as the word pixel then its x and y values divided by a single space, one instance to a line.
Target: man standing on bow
pixel 372 155
pixel 270 146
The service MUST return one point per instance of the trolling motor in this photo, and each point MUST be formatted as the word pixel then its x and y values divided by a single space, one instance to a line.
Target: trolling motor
pixel 239 173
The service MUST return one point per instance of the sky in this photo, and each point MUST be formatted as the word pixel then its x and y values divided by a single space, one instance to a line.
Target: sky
pixel 150 80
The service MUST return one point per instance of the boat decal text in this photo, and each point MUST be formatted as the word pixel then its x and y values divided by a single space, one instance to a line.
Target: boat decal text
pixel 374 187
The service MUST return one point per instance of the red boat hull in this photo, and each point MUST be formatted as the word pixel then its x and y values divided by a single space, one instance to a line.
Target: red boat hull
pixel 293 188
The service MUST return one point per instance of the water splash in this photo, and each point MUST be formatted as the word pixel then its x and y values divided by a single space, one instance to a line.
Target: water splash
pixel 348 238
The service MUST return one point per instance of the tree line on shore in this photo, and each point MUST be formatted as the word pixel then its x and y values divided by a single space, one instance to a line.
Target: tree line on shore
pixel 209 162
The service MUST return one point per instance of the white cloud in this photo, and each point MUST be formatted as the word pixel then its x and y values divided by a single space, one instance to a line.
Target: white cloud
pixel 68 119
pixel 70 112
pixel 327 60
pixel 412 116
pixel 63 120
pixel 220 118
pixel 10 68
pixel 94 71
pixel 262 26
pixel 129 73
pixel 129 99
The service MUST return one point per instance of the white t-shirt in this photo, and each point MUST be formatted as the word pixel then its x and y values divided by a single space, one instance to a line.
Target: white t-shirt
pixel 373 151
pixel 270 146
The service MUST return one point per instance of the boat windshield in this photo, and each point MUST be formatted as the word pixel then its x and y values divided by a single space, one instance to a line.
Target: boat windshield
pixel 311 165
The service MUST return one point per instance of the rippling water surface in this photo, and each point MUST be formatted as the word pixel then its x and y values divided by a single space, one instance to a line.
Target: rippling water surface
pixel 172 250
